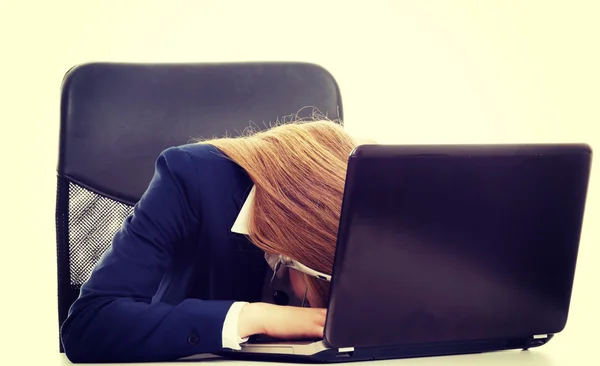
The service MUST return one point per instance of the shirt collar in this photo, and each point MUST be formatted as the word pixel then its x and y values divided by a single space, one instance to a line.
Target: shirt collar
pixel 240 225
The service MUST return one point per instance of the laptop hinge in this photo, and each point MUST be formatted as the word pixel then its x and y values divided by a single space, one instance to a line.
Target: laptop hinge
pixel 346 349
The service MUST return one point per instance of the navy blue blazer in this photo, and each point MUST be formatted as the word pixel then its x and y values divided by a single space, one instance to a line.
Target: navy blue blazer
pixel 163 289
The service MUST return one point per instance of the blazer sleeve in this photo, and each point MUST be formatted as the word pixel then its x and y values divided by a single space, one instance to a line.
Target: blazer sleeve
pixel 114 319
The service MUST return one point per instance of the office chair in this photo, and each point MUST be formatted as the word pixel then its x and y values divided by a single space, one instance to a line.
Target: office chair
pixel 117 118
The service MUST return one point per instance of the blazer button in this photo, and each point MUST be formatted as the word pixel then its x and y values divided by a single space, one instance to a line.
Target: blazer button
pixel 193 339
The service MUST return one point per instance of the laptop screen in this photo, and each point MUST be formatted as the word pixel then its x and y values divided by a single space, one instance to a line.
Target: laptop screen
pixel 451 247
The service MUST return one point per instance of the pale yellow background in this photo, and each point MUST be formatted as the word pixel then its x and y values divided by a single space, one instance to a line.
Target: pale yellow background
pixel 409 71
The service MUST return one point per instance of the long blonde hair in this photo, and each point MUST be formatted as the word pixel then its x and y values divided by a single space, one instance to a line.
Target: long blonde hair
pixel 299 171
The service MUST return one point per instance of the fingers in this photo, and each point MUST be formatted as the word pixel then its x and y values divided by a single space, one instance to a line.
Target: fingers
pixel 318 332
pixel 321 316
pixel 290 322
pixel 315 323
pixel 321 323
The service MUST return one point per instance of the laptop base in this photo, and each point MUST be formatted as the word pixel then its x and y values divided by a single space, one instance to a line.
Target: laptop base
pixel 319 352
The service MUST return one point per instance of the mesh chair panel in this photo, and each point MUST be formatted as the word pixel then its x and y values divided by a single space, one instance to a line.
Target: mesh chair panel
pixel 86 222
pixel 93 222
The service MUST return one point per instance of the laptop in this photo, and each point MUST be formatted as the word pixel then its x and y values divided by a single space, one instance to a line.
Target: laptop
pixel 448 249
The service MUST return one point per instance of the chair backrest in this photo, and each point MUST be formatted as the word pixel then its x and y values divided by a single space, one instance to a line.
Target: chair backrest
pixel 117 118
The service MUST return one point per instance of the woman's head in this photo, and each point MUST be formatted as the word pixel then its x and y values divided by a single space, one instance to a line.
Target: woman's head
pixel 299 171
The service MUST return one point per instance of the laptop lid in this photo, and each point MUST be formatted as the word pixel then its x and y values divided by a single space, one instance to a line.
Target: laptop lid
pixel 456 243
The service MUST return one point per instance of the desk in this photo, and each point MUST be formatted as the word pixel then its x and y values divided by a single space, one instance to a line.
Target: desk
pixel 537 357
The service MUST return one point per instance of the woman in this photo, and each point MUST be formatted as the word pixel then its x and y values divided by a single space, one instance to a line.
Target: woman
pixel 187 274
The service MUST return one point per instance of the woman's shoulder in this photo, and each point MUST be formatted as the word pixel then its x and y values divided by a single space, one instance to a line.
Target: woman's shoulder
pixel 195 151
pixel 182 158
pixel 201 162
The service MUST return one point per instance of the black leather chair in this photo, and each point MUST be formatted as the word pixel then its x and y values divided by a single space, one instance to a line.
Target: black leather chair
pixel 117 118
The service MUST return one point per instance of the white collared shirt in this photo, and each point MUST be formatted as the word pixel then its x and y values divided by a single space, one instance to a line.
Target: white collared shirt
pixel 230 334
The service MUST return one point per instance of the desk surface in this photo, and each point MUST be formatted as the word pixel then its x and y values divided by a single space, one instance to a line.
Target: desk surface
pixel 546 356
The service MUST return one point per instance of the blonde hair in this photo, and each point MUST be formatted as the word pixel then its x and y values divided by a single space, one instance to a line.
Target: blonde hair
pixel 299 172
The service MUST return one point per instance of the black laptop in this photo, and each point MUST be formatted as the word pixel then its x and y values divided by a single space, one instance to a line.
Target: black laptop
pixel 449 249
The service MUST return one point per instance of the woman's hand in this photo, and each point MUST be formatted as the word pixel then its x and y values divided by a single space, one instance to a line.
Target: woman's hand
pixel 284 322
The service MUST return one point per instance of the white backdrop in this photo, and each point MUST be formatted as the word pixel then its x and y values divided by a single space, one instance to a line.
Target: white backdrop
pixel 409 72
